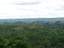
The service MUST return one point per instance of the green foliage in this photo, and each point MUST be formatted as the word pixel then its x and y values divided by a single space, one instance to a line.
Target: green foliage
pixel 32 35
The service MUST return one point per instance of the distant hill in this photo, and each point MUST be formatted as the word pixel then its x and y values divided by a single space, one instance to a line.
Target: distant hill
pixel 32 20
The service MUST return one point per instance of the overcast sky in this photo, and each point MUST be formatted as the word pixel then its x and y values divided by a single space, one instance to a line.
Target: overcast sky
pixel 31 8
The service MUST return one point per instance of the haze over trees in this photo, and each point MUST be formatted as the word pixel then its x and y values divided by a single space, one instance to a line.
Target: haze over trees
pixel 36 34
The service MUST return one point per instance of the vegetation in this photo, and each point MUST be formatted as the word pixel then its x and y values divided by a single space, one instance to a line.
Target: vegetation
pixel 38 34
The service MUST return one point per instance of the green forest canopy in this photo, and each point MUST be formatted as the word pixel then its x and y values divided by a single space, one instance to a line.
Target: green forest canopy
pixel 32 35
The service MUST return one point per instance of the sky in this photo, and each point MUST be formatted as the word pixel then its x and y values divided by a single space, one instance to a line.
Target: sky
pixel 31 9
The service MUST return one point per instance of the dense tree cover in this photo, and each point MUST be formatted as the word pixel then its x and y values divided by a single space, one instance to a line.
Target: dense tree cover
pixel 32 35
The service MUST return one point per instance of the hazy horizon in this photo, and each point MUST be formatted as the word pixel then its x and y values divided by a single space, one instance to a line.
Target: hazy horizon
pixel 31 18
pixel 18 9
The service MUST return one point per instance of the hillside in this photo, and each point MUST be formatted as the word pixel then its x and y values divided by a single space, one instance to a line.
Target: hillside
pixel 32 35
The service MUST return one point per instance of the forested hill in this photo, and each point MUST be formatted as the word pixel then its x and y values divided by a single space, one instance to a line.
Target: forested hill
pixel 32 20
pixel 32 35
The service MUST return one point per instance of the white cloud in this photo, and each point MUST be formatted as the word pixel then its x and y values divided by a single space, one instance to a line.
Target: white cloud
pixel 47 8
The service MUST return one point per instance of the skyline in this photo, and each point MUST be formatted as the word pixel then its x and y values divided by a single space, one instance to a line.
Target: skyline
pixel 31 9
